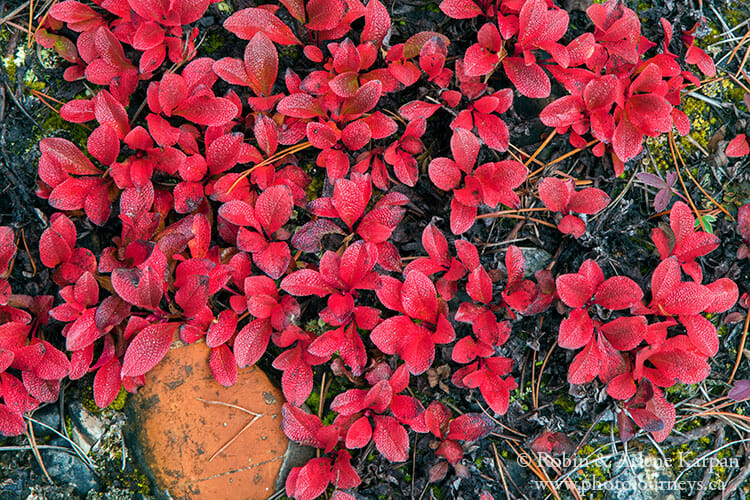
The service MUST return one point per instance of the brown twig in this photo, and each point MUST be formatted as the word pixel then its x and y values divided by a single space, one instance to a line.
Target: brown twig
pixel 256 416
pixel 741 349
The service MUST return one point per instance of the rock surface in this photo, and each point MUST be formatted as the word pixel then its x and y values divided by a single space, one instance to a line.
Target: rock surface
pixel 174 434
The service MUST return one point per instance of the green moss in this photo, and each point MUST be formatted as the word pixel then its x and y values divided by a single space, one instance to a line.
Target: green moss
pixel 596 471
pixel 565 403
pixel 119 403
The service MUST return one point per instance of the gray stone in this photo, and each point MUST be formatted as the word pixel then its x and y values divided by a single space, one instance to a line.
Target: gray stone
pixel 87 428
pixel 536 260
pixel 639 476
pixel 67 468
pixel 296 456
pixel 49 415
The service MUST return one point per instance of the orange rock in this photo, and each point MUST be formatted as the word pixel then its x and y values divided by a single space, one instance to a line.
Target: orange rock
pixel 176 434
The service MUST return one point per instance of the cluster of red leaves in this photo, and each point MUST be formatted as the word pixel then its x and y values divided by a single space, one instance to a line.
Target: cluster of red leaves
pixel 211 250
pixel 655 344
pixel 40 364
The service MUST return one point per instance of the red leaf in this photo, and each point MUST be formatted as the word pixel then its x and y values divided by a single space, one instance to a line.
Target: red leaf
pixel 305 282
pixel 625 333
pixel 223 365
pixel 247 22
pixel 309 481
pixel 419 297
pixel 11 423
pixel 618 292
pixel 725 293
pixel 251 342
pixel 470 427
pixel 324 14
pixel 576 330
pixel 349 201
pixel 460 9
pixel 274 207
pixel 261 63
pixel 738 147
pixel 68 156
pixel 107 383
pixel 555 194
pixel 627 141
pixel 702 334
pixel 530 80
pixel 300 105
pixel 588 201
pixel 207 110
pixel 366 97
pixel 585 366
pixel 391 439
pixel 574 289
pixel 377 23
pixel 147 348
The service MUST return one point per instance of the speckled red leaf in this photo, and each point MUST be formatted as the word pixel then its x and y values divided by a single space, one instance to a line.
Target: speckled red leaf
pixel 300 426
pixel 68 156
pixel 349 201
pixel 273 259
pixel 305 282
pixel 576 330
pixel 738 146
pixel 324 14
pixel 588 201
pixel 554 193
pixel 531 81
pixel 247 22
pixel 251 342
pixel 221 329
pixel 55 244
pixel 223 365
pixel 585 366
pixel 11 423
pixel 574 289
pixel 625 333
pixel 273 207
pixel 702 334
pixel 240 213
pixel 618 292
pixel 8 246
pixel 359 434
pixel 261 63
pixel 300 105
pixel 232 70
pixel 147 348
pixel 297 379
pixel 104 145
pixel 725 294
pixel 460 9
pixel 224 152
pixel 627 141
pixel 83 332
pixel 107 383
pixel 377 23
pixel 470 427
pixel 391 439
pixel 363 100
pixel 309 481
pixel 205 109
pixel 493 131
pixel 419 297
